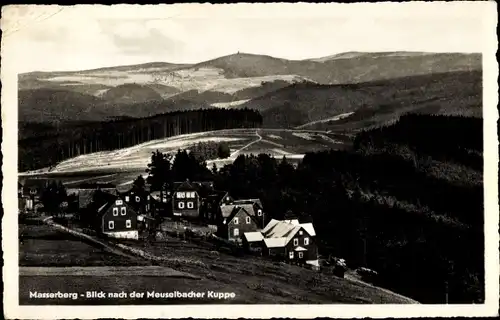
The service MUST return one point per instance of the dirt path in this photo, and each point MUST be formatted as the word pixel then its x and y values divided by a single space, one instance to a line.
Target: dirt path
pixel 248 145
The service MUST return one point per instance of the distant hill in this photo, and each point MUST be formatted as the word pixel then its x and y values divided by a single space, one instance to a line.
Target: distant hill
pixel 289 92
pixel 350 68
pixel 371 102
pixel 130 93
pixel 49 105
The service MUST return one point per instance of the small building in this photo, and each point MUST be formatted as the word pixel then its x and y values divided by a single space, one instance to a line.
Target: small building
pixel 29 192
pixel 257 208
pixel 86 191
pixel 237 220
pixel 288 240
pixel 117 219
pixel 140 200
pixel 189 198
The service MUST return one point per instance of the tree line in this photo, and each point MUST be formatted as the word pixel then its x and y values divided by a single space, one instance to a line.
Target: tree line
pixel 422 233
pixel 43 149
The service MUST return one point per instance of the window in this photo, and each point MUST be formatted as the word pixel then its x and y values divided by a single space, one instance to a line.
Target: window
pixel 295 242
pixel 248 220
pixel 235 220
pixel 301 232
pixel 290 254
pixel 236 232
pixel 111 224
pixel 190 205
pixel 115 211
pixel 127 198
pixel 259 212
pixel 123 211
pixel 181 195
pixel 128 223
pixel 193 194
pixel 301 255
pixel 147 197
pixel 181 205
pixel 137 199
pixel 119 202
pixel 306 241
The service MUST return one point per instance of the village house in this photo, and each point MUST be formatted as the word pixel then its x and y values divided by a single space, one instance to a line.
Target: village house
pixel 86 191
pixel 116 218
pixel 236 220
pixel 289 240
pixel 189 198
pixel 144 205
pixel 29 192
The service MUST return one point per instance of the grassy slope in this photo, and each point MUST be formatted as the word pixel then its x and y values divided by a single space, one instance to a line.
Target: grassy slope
pixel 254 280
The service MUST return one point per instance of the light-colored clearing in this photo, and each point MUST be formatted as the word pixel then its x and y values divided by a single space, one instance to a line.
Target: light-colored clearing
pixel 303 135
pixel 229 104
pixel 273 136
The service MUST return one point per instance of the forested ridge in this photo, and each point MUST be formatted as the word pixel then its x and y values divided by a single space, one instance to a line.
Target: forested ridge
pixel 406 202
pixel 41 145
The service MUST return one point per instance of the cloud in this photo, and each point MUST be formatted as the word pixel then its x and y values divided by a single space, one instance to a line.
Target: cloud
pixel 48 38
pixel 139 37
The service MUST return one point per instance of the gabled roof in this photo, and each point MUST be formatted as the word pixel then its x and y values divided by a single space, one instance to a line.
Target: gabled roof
pixel 249 201
pixel 204 188
pixel 285 230
pixel 275 242
pixel 309 228
pixel 299 248
pixel 237 209
pixel 253 236
pixel 226 210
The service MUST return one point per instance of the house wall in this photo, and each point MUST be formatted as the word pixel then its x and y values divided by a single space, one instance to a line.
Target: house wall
pixel 120 221
pixel 242 226
pixel 312 249
pixel 260 219
pixel 273 252
pixel 183 210
pixel 132 234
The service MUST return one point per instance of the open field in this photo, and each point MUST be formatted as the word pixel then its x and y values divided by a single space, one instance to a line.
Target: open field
pixel 194 265
pixel 124 165
pixel 42 246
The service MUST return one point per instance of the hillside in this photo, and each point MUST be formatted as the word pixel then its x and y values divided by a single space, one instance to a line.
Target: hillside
pixel 229 80
pixel 130 93
pixel 348 68
pixel 371 103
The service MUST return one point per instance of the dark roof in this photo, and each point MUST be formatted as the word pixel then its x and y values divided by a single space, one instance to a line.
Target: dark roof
pixel 249 201
pixel 236 209
pixel 204 188
pixel 95 185
pixel 86 196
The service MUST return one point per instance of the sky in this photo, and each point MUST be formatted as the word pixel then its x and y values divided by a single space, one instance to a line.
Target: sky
pixel 54 38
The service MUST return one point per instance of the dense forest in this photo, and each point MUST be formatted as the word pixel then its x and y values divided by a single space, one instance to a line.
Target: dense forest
pixel 407 202
pixel 41 145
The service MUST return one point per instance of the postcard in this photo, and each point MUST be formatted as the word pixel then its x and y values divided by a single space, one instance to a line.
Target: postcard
pixel 250 160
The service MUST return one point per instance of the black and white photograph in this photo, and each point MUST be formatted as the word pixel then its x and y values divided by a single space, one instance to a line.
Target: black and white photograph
pixel 250 160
